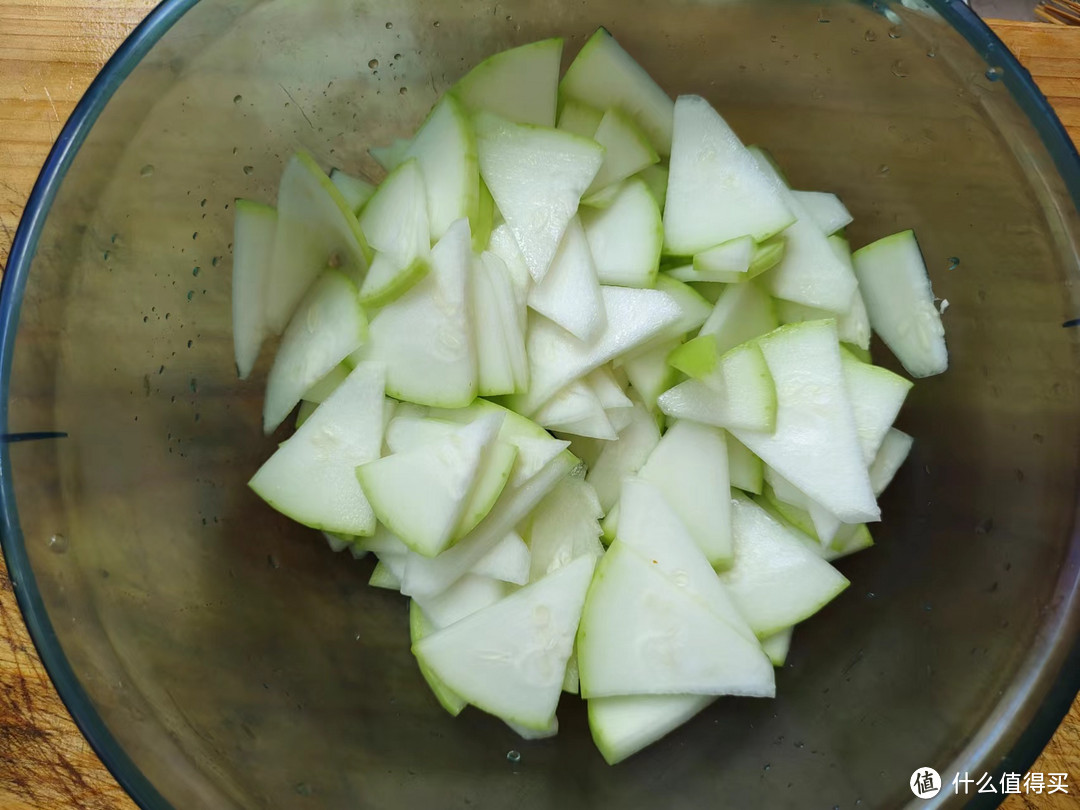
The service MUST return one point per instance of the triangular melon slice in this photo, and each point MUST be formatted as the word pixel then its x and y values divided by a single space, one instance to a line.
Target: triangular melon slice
pixel 649 373
pixel 425 336
pixel 732 391
pixel 510 658
pixel 812 271
pixel 470 594
pixel 741 313
pixel 497 334
pixel 564 526
pixel 815 445
pixel 604 75
pixel 624 457
pixel 445 147
pixel 253 253
pixel 825 210
pixel 509 561
pixel 690 468
pixel 355 190
pixel 776 580
pixel 626 149
pixel 395 222
pixel 421 494
pixel 557 358
pixel 641 634
pixel 393 154
pixel 520 84
pixel 777 645
pixel 650 526
pixel 577 410
pixel 311 478
pixel 625 238
pixel 622 726
pixel 747 471
pixel 890 457
pixel 876 398
pixel 316 229
pixel 570 292
pixel 419 628
pixel 579 119
pixel 716 190
pixel 536 176
pixel 328 326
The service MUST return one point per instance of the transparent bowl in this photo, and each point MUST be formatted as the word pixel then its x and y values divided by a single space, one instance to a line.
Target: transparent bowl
pixel 218 656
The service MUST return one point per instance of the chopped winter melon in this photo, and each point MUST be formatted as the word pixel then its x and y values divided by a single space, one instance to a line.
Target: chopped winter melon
pixel 520 84
pixel 253 246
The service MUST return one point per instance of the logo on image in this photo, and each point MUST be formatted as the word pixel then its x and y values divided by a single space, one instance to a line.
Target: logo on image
pixel 926 783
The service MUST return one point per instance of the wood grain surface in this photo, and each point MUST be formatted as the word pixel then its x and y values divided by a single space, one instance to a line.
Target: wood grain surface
pixel 50 50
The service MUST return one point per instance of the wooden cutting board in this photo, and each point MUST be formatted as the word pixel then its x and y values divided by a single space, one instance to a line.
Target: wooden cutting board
pixel 50 50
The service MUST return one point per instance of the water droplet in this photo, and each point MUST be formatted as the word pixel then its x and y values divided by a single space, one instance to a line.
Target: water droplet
pixel 870 36
pixel 57 544
pixel 895 33
pixel 397 56
pixel 237 99
pixel 899 69
pixel 774 38
pixel 249 169
pixel 767 768
pixel 928 607
pixel 273 561
pixel 195 272
pixel 822 17
pixel 509 17
pixel 800 745
pixel 389 25
pixel 303 789
pixel 994 73
pixel 404 91
pixel 932 53
pixel 194 385
pixel 816 94
pixel 436 24
pixel 954 262
pixel 190 294
pixel 511 756
pixel 883 169
pixel 373 64
pixel 871 595
pixel 106 256
pixel 147 170
pixel 214 261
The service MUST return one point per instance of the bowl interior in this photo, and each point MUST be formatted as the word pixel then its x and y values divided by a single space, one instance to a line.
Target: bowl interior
pixel 238 662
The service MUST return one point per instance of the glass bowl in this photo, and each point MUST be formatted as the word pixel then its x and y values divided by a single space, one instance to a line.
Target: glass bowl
pixel 218 656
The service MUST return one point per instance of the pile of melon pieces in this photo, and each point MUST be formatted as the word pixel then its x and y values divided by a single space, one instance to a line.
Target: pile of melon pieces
pixel 590 381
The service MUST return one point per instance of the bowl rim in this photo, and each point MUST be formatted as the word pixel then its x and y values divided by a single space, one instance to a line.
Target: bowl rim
pixel 1047 681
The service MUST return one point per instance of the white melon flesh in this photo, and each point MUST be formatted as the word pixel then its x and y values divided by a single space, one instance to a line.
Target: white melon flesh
pixel 626 237
pixel 469 595
pixel 746 470
pixel 641 634
pixel 312 476
pixel 624 457
pixel 656 178
pixel 316 228
pixel 890 457
pixel 811 271
pixel 419 628
pixel 425 576
pixel 564 526
pixel 425 336
pixel 445 147
pixel 876 398
pixel 395 222
pixel 727 262
pixel 777 645
pixel 513 317
pixel 328 326
pixel 579 119
pixel 509 561
pixel 520 84
pixel 825 210
pixel 604 75
pixel 504 245
pixel 689 467
pixel 896 289
pixel 383 577
pixel 815 444
pixel 510 658
pixel 536 176
pixel 557 358
pixel 649 372
pixel 421 494
pixel 497 332
pixel 355 190
pixel 569 293
pixel 732 391
pixel 622 726
pixel 577 410
pixel 531 734
pixel 626 149
pixel 742 312
pixel 776 580
pixel 253 253
pixel 650 526
pixel 716 190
